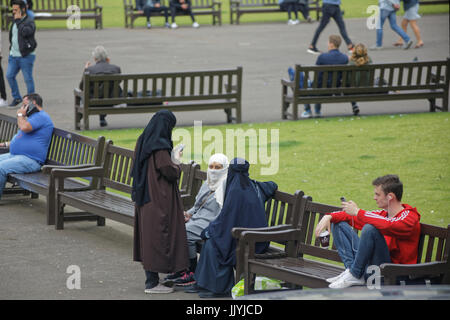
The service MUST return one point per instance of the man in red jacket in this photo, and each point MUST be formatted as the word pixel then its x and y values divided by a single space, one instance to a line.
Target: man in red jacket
pixel 390 235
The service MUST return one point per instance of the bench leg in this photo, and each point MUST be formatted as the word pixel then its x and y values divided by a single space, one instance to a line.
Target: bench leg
pixel 432 105
pixel 50 210
pixel 101 221
pixel 249 283
pixel 59 213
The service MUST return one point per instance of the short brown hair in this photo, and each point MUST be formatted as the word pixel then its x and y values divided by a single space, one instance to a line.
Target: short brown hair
pixel 390 183
pixel 335 40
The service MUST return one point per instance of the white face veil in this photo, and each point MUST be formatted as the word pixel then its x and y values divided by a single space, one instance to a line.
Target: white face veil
pixel 216 178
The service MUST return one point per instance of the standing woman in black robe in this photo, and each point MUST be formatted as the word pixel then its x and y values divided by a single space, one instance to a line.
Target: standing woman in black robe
pixel 159 230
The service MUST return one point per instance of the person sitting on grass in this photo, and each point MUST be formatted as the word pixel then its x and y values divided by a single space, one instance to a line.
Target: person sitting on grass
pixel 389 235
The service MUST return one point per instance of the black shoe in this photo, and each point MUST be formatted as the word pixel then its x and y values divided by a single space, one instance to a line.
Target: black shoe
pixel 194 288
pixel 313 50
pixel 103 123
pixel 15 102
pixel 355 110
pixel 210 294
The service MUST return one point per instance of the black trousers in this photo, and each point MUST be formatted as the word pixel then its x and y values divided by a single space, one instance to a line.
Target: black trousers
pixel 2 83
pixel 331 11
pixel 176 8
pixel 148 11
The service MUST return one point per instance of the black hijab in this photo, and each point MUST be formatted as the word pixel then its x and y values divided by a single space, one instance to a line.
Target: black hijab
pixel 156 136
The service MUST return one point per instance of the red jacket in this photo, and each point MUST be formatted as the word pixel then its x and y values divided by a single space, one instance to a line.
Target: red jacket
pixel 401 232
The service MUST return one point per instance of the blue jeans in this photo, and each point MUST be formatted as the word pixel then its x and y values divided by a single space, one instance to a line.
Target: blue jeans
pixel 15 64
pixel 15 164
pixel 359 253
pixel 391 15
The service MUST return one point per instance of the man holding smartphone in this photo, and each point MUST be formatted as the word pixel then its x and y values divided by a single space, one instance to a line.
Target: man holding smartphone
pixel 28 148
pixel 22 50
pixel 389 235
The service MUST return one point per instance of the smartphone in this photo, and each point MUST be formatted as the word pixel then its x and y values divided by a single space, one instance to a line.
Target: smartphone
pixel 181 147
pixel 343 199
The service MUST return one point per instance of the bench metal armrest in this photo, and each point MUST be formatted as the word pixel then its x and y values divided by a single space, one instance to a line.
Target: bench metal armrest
pixel 48 168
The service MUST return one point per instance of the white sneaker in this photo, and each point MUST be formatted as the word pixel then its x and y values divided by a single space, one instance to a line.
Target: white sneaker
pixel 290 22
pixel 347 280
pixel 159 289
pixel 195 25
pixel 306 114
pixel 3 103
pixel 296 21
pixel 333 279
pixel 174 25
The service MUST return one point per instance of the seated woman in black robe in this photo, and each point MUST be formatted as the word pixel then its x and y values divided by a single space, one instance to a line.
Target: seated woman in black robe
pixel 243 207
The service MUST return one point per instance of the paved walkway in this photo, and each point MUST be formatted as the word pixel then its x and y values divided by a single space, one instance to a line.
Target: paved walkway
pixel 34 257
pixel 264 50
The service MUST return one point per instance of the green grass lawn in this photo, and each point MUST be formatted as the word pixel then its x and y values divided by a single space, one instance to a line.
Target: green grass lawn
pixel 332 157
pixel 113 15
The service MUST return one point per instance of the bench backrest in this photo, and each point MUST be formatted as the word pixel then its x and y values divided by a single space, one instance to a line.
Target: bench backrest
pixel 61 5
pixel 434 243
pixel 431 75
pixel 308 243
pixel 69 149
pixel 264 3
pixel 119 163
pixel 159 87
pixel 195 4
pixel 8 127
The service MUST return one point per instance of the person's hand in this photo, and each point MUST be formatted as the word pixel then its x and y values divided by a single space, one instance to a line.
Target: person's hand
pixel 184 6
pixel 324 223
pixel 187 216
pixel 396 6
pixel 23 109
pixel 157 5
pixel 87 65
pixel 350 208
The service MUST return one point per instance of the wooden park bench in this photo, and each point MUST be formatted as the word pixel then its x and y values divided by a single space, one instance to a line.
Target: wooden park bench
pixel 111 196
pixel 308 264
pixel 199 7
pixel 282 212
pixel 151 92
pixel 239 7
pixel 386 81
pixel 57 10
pixel 68 150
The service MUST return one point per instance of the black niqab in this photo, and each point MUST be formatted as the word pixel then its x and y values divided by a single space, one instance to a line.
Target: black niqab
pixel 156 136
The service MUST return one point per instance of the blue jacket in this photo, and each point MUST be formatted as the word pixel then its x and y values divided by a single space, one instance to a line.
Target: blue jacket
pixel 331 57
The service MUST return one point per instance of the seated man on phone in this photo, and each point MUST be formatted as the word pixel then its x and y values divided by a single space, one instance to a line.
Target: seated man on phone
pixel 28 148
pixel 390 235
